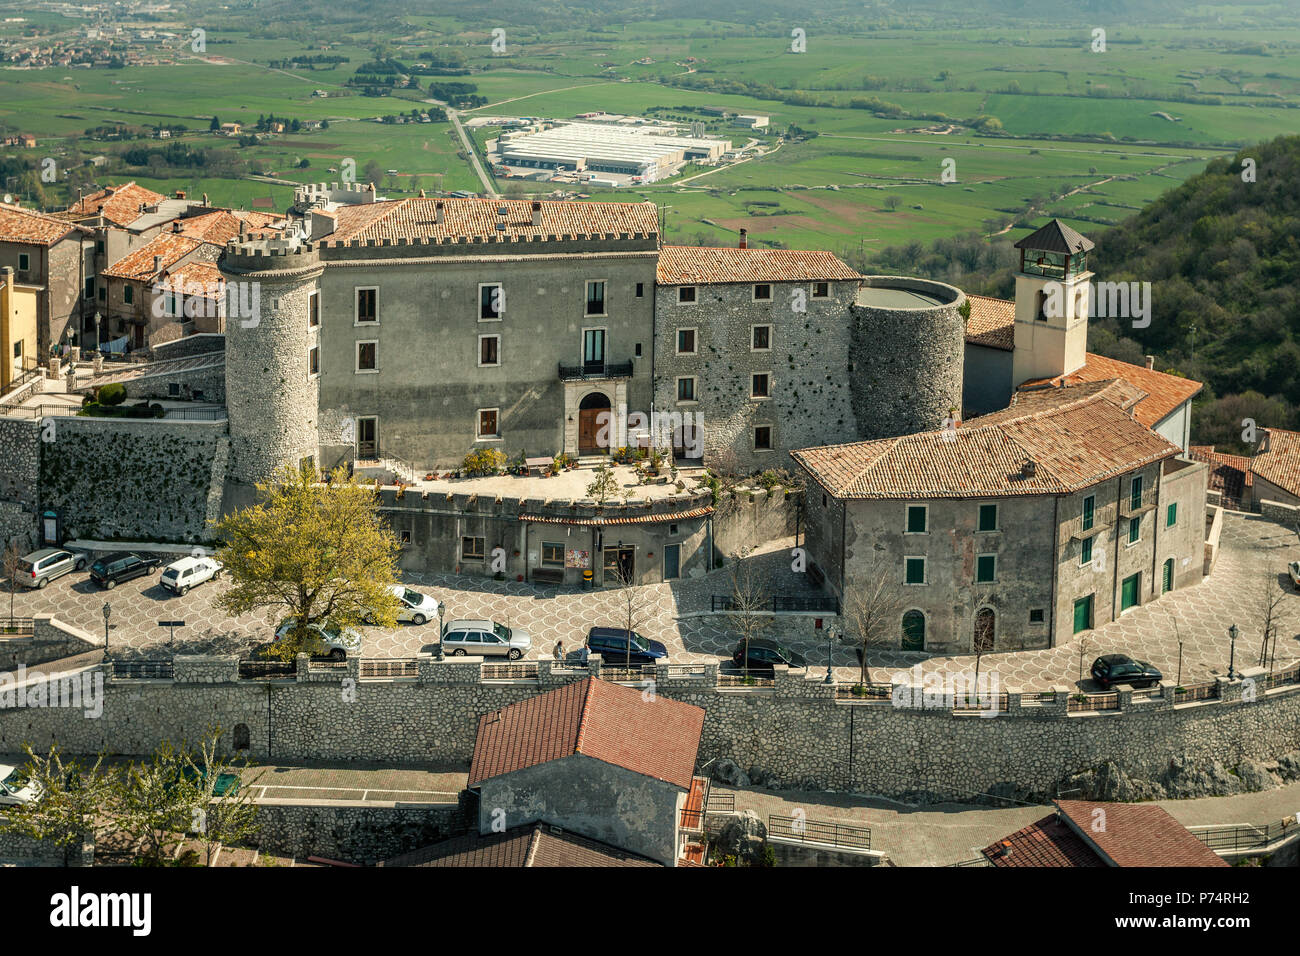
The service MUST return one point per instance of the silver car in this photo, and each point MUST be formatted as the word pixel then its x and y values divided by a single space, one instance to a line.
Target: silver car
pixel 485 639
pixel 41 567
pixel 339 642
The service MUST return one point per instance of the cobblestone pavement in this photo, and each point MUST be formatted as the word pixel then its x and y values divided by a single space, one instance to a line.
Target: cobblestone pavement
pixel 1199 616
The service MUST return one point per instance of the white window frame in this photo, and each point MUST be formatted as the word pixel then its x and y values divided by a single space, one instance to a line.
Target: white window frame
pixel 771 292
pixel 473 537
pixel 677 342
pixel 997 518
pixel 586 291
pixel 925 571
pixel 986 554
pixel 314 347
pixel 24 257
pixel 489 335
pixel 695 389
pixel 356 305
pixel 760 398
pixel 478 422
pixel 770 332
pixel 907 511
pixel 695 293
pixel 356 358
pixel 771 436
pixel 313 298
pixel 478 301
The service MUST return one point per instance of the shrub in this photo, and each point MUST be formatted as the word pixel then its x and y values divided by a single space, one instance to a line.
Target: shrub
pixel 157 410
pixel 483 461
pixel 113 393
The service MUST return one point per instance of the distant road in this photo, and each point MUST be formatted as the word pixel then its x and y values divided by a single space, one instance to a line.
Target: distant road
pixel 454 116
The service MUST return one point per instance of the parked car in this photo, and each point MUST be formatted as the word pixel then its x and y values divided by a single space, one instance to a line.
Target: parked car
pixel 764 654
pixel 416 608
pixel 1293 569
pixel 41 567
pixel 112 569
pixel 180 576
pixel 338 642
pixel 611 644
pixel 485 639
pixel 1112 669
pixel 13 788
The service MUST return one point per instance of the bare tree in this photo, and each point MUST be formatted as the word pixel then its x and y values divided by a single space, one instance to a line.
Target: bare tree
pixel 633 605
pixel 1270 609
pixel 749 613
pixel 873 603
pixel 982 642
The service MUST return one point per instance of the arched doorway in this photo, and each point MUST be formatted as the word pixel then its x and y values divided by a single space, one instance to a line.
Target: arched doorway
pixel 243 739
pixel 985 628
pixel 913 631
pixel 590 420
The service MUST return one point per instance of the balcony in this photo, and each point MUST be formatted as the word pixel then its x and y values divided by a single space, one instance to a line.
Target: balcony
pixel 593 370
pixel 1131 506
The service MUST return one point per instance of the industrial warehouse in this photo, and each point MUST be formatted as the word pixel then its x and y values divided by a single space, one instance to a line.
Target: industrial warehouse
pixel 639 155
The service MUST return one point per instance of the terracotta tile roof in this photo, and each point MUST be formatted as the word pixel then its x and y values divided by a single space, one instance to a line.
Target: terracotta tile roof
pixel 992 322
pixel 120 205
pixel 478 218
pixel 1074 437
pixel 139 263
pixel 608 722
pixel 603 521
pixel 1046 842
pixel 1228 474
pixel 1278 460
pixel 198 278
pixel 689 265
pixel 216 226
pixel 1165 392
pixel 536 844
pixel 32 228
pixel 1136 834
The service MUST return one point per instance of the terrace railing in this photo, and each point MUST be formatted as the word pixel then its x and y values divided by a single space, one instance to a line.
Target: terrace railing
pixel 142 670
pixel 525 670
pixel 819 831
pixel 14 626
pixel 590 370
pixel 267 670
pixel 388 669
pixel 1244 837
pixel 1083 703
pixel 782 602
pixel 1206 691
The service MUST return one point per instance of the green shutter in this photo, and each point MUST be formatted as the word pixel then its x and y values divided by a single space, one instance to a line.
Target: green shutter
pixel 1171 515
pixel 1129 592
pixel 1134 529
pixel 916 519
pixel 1089 506
pixel 1083 614
pixel 988 517
pixel 1085 551
pixel 915 568
pixel 986 566
pixel 1135 492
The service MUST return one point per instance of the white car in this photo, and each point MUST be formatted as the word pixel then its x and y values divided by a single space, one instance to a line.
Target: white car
pixel 12 790
pixel 414 607
pixel 180 576
pixel 339 642
pixel 1293 569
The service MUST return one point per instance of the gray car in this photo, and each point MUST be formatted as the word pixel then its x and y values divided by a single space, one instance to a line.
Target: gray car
pixel 485 639
pixel 41 567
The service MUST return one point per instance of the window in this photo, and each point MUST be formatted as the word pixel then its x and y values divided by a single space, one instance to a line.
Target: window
pixel 685 341
pixel 313 360
pixel 491 301
pixel 637 350
pixel 1037 616
pixel 821 290
pixel 488 424
pixel 1167 576
pixel 489 350
pixel 762 292
pixel 761 385
pixel 90 288
pixel 313 309
pixel 101 293
pixel 99 245
pixel 988 518
pixel 640 289
pixel 761 338
pixel 173 389
pixel 553 554
pixel 24 261
pixel 762 438
pixel 472 548
pixel 1135 492
pixel 917 516
pixel 914 570
pixel 404 536
pixel 1040 306
pixel 367 305
pixel 986 568
pixel 595 298
pixel 1171 515
pixel 685 294
pixel 1089 510
pixel 1135 529
pixel 1085 552
pixel 686 389
pixel 128 294
pixel 368 356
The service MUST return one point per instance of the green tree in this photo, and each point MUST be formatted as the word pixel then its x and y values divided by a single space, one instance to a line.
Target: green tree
pixel 226 815
pixel 215 125
pixel 312 552
pixel 70 801
pixel 604 486
pixel 155 803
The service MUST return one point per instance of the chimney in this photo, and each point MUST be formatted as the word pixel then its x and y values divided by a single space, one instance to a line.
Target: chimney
pixel 744 239
pixel 157 264
pixel 1151 362
pixel 1029 468
pixel 537 213
pixel 176 225
pixel 180 194
pixel 438 212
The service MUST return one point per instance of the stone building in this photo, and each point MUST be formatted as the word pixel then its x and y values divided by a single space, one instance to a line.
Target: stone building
pixel 55 259
pixel 1275 468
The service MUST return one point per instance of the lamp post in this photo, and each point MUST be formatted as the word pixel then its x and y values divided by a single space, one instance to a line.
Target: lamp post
pixel 830 646
pixel 442 610
pixel 99 331
pixel 108 612
pixel 1232 653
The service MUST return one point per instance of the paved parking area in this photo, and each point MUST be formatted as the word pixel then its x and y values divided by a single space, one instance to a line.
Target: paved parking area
pixel 1199 616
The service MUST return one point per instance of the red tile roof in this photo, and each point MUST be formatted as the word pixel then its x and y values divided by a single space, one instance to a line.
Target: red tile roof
pixel 608 722
pixel 1165 392
pixel 1046 842
pixel 31 228
pixel 689 265
pixel 536 844
pixel 1136 834
pixel 992 322
pixel 1228 474
pixel 478 218
pixel 171 247
pixel 1278 459
pixel 1075 438
pixel 119 205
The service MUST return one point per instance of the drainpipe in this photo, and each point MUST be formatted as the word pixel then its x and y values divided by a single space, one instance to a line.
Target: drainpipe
pixel 1051 606
pixel 1114 573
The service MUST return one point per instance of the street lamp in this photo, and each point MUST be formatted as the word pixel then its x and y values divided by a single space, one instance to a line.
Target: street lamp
pixel 99 331
pixel 108 612
pixel 830 645
pixel 1232 654
pixel 442 610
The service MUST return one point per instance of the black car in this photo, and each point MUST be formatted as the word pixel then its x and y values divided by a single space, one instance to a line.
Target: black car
pixel 1114 669
pixel 764 654
pixel 611 644
pixel 112 569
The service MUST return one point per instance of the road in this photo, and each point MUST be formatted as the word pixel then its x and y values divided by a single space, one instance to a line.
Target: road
pixel 483 177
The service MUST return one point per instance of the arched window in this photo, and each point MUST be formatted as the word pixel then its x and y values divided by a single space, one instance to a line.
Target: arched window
pixel 985 627
pixel 243 740
pixel 913 631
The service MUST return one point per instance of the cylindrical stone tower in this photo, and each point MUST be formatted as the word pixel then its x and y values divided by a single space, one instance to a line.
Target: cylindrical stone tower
pixel 907 348
pixel 271 393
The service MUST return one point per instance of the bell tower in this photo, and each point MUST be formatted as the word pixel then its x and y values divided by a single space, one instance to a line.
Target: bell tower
pixel 1053 298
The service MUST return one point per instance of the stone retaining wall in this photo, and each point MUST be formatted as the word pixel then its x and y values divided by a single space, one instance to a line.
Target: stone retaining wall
pixel 357 834
pixel 50 640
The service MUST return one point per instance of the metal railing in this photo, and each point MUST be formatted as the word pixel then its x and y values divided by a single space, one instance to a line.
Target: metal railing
pixel 819 831
pixel 1206 691
pixel 720 802
pixel 206 414
pixel 741 680
pixel 528 670
pixel 982 702
pixel 1244 837
pixel 1290 675
pixel 17 625
pixel 633 674
pixel 781 602
pixel 863 691
pixel 142 670
pixel 28 376
pixel 589 370
pixel 267 670
pixel 1081 703
pixel 387 669
pixel 687 670
pixel 1130 505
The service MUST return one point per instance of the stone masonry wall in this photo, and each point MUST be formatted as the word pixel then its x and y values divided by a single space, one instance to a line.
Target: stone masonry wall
pixel 356 834
pixel 20 465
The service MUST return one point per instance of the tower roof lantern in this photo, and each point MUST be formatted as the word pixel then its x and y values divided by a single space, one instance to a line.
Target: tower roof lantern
pixel 1056 236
